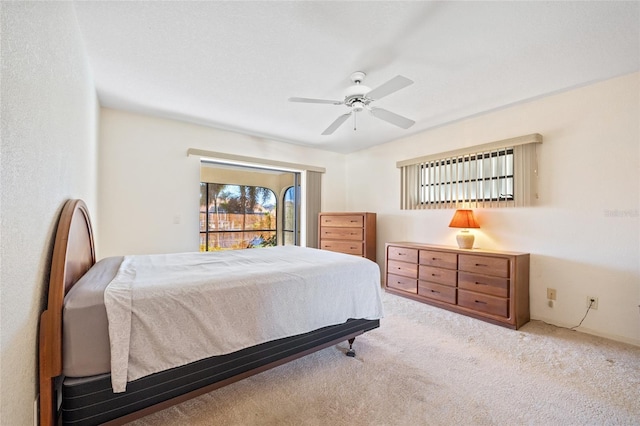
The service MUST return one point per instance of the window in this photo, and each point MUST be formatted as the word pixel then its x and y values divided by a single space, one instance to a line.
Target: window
pixel 236 216
pixel 221 168
pixel 486 176
pixel 289 221
pixel 498 174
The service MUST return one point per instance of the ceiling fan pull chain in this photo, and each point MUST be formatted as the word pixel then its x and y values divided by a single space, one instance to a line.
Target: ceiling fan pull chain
pixel 354 121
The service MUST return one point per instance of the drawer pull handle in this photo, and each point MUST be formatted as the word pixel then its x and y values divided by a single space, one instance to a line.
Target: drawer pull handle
pixel 481 264
pixel 435 258
pixel 481 302
pixel 478 283
pixel 435 275
pixel 353 221
pixel 434 291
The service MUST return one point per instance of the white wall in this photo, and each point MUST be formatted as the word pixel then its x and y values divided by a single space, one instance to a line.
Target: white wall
pixel 48 154
pixel 147 180
pixel 584 233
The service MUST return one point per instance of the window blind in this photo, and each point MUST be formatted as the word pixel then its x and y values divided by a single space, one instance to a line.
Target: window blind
pixel 497 174
pixel 314 191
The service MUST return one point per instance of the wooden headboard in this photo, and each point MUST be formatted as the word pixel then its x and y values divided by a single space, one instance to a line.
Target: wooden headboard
pixel 73 255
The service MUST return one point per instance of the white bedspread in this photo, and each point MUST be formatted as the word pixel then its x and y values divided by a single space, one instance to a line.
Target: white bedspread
pixel 169 310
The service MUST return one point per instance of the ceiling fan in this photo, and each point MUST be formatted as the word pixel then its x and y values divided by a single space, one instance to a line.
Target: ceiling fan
pixel 358 97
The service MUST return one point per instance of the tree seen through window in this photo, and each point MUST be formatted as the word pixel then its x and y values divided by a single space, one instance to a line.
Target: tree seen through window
pixel 236 216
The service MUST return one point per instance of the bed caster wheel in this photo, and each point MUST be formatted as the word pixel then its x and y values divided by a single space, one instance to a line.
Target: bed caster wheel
pixel 351 352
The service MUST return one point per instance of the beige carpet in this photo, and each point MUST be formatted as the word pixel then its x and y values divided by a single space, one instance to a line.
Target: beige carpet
pixel 427 366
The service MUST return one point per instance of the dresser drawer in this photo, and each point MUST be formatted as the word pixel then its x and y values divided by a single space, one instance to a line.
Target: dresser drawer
pixel 347 247
pixel 435 291
pixel 484 284
pixel 327 233
pixel 484 303
pixel 401 268
pixel 489 285
pixel 496 266
pixel 403 254
pixel 439 259
pixel 402 283
pixel 354 221
pixel 437 275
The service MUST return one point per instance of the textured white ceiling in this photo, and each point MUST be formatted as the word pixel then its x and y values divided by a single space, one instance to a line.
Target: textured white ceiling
pixel 234 64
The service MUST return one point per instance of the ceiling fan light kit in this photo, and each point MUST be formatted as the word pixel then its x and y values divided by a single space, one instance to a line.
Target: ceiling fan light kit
pixel 358 97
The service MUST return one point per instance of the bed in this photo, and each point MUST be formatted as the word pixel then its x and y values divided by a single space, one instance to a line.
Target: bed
pixel 85 394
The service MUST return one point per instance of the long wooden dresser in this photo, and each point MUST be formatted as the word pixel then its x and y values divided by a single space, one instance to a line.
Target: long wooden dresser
pixel 489 285
pixel 349 232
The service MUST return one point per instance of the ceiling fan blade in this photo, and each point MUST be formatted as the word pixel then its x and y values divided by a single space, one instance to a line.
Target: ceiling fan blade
pixel 332 128
pixel 392 118
pixel 315 101
pixel 396 83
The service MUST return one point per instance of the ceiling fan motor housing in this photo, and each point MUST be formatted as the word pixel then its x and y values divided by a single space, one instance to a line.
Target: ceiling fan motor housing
pixel 355 95
pixel 357 105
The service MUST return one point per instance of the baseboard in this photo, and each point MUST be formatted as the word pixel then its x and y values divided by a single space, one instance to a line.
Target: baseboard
pixel 36 410
pixel 586 330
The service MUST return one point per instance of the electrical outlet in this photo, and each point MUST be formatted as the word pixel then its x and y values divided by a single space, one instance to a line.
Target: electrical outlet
pixel 551 293
pixel 592 302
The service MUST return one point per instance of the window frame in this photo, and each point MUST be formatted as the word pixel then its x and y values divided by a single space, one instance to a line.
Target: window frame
pixel 465 178
pixel 207 232
pixel 293 232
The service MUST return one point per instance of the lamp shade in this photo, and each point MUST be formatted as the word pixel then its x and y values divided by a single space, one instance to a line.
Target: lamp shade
pixel 463 219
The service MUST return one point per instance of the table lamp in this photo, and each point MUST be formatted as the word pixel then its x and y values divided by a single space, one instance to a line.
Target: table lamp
pixel 464 219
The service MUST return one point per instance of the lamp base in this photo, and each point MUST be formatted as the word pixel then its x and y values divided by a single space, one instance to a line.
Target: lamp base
pixel 465 240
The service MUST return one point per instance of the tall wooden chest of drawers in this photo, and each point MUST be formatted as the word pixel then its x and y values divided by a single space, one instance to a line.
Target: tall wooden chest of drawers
pixel 351 233
pixel 489 285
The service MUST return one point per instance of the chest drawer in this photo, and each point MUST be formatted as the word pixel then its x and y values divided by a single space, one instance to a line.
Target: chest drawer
pixel 437 275
pixel 354 221
pixel 484 303
pixel 347 247
pixel 403 254
pixel 439 259
pixel 402 268
pixel 484 284
pixel 439 292
pixel 496 266
pixel 327 233
pixel 402 283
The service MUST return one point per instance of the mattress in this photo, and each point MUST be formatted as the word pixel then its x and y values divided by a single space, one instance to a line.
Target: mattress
pixel 168 310
pixel 86 343
pixel 85 330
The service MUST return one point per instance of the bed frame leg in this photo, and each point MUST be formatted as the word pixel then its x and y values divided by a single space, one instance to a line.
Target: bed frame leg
pixel 47 405
pixel 351 352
